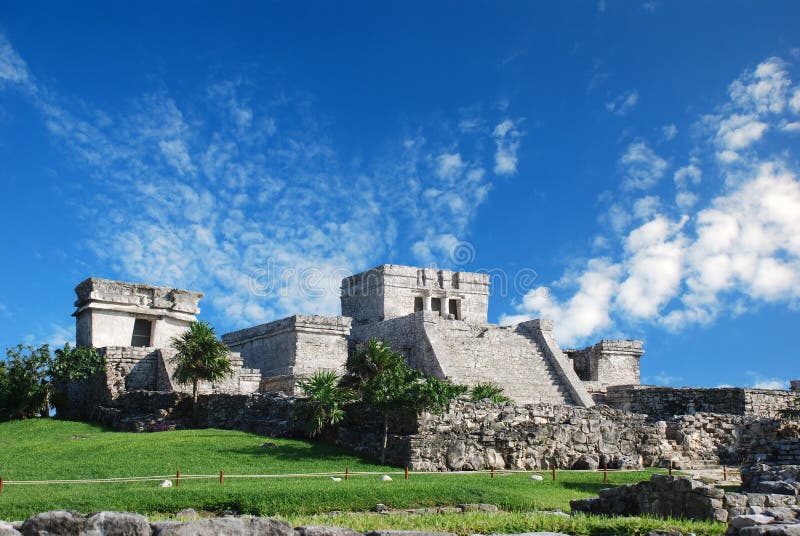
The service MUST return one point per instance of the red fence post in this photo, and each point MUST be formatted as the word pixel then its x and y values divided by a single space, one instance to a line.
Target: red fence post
pixel 554 472
pixel 724 472
pixel 406 472
pixel 178 477
pixel 670 468
pixel 346 473
pixel 1 485
pixel 222 477
pixel 492 467
pixel 605 472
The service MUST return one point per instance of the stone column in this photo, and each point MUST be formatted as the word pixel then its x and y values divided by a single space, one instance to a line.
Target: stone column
pixel 426 302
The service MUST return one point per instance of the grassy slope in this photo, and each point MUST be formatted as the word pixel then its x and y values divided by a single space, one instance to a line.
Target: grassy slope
pixel 45 449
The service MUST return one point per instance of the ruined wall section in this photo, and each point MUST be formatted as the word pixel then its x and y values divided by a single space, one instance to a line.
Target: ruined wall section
pixel 662 403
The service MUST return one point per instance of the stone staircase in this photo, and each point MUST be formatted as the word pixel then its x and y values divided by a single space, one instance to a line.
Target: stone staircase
pixel 466 352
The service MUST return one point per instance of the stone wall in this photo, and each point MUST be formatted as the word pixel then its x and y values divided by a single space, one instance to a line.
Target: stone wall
pixel 130 369
pixel 483 434
pixel 478 435
pixel 664 402
pixel 292 347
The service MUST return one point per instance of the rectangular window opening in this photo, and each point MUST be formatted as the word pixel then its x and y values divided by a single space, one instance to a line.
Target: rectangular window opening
pixel 417 304
pixel 436 304
pixel 141 332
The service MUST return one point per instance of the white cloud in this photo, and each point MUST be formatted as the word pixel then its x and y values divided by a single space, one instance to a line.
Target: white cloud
pixel 669 132
pixel 623 104
pixel 507 138
pixel 794 104
pixel 449 165
pixel 586 313
pixel 646 207
pixel 56 335
pixel 761 382
pixel 685 178
pixel 764 89
pixel 740 131
pixel 791 127
pixel 177 155
pixel 435 247
pixel 654 267
pixel 641 166
pixel 742 248
pixel 662 378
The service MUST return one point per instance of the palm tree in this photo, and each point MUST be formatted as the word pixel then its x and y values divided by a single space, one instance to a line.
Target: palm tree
pixel 200 356
pixel 326 400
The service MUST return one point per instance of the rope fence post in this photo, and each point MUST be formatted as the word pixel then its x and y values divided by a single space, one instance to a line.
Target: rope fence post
pixel 177 478
pixel 670 468
pixel 554 472
pixel 1 485
pixel 406 472
pixel 222 477
pixel 492 467
pixel 724 472
pixel 346 473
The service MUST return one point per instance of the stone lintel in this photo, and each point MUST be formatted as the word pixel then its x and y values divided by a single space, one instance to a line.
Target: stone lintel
pixel 97 293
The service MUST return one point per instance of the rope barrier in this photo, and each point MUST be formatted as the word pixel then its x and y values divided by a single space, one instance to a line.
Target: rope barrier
pixel 346 473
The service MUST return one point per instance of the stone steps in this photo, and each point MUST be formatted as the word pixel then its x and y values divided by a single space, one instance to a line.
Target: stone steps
pixel 527 376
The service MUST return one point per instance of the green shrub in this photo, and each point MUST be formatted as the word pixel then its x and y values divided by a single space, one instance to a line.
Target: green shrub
pixel 488 391
pixel 326 401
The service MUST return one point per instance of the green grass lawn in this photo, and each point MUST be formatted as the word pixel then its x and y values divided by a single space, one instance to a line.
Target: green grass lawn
pixel 49 449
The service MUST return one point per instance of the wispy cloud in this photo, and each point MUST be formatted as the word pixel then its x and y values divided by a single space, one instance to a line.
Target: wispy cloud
pixel 243 194
pixel 507 138
pixel 623 104
pixel 641 167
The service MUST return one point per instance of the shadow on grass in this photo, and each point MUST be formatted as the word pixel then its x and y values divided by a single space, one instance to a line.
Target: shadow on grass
pixel 588 487
pixel 314 450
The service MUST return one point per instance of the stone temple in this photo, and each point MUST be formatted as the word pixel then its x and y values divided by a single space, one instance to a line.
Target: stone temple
pixel 436 318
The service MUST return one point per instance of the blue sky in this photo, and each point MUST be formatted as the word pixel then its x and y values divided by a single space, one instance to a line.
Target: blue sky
pixel 629 169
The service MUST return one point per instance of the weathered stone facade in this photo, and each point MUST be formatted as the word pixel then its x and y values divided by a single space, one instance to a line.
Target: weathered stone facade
pixel 608 363
pixel 293 347
pixel 392 291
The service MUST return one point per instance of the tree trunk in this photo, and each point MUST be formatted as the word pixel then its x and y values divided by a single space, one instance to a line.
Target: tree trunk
pixel 194 402
pixel 385 437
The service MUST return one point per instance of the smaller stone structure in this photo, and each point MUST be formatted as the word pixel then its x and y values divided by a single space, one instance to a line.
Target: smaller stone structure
pixel 117 313
pixel 291 348
pixel 608 363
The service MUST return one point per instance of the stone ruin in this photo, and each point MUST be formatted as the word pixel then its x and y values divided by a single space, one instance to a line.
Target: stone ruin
pixel 436 318
pixel 568 408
